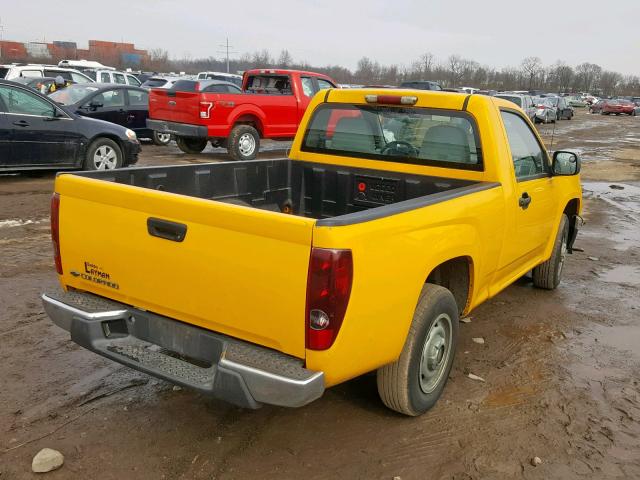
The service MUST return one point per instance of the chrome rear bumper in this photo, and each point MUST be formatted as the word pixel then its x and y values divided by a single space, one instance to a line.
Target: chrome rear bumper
pixel 235 371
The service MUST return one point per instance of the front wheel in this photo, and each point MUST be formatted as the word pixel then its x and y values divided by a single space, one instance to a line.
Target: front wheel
pixel 243 142
pixel 191 145
pixel 161 139
pixel 103 154
pixel 547 275
pixel 412 384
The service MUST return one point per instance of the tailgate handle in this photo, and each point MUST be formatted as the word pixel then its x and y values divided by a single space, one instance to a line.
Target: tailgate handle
pixel 173 231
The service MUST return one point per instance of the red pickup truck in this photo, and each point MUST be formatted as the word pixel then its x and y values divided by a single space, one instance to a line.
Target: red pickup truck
pixel 271 105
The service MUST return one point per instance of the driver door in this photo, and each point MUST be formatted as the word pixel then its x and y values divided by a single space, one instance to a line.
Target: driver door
pixel 533 204
pixel 107 105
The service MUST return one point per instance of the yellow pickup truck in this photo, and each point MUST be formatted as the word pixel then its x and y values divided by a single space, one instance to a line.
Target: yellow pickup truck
pixel 268 281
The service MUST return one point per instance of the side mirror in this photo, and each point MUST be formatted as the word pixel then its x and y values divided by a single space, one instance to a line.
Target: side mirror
pixel 95 104
pixel 566 163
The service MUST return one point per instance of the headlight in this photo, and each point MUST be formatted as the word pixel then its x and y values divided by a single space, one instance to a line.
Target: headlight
pixel 131 135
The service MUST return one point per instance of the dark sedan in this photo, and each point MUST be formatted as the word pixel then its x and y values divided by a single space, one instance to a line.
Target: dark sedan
pixel 36 133
pixel 124 105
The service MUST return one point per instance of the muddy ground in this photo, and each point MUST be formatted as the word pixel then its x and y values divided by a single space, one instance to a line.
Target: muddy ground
pixel 561 368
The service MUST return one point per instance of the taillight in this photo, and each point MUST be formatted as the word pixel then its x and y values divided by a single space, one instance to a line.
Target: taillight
pixel 55 231
pixel 205 109
pixel 328 290
pixel 391 99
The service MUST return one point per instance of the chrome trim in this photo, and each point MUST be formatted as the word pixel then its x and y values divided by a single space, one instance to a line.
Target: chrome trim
pixel 62 314
pixel 263 386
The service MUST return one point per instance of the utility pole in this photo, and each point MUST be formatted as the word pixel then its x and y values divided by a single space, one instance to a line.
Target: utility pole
pixel 1 30
pixel 226 51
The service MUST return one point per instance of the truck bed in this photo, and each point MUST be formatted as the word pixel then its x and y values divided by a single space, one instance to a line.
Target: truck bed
pixel 333 195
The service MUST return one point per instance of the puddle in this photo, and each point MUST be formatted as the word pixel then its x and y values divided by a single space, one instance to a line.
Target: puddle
pixel 623 337
pixel 19 222
pixel 627 274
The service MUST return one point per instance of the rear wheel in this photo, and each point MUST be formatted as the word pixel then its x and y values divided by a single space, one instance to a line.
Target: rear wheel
pixel 413 383
pixel 547 275
pixel 161 139
pixel 243 142
pixel 191 145
pixel 103 154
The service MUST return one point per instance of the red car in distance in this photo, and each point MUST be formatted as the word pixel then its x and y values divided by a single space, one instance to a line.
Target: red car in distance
pixel 617 107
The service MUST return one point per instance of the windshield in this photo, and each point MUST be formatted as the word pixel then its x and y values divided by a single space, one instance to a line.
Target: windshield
pixel 154 82
pixel 516 100
pixel 408 135
pixel 72 94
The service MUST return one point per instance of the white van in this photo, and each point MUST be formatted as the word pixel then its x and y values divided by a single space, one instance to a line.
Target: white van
pixel 226 77
pixel 17 70
pixel 113 76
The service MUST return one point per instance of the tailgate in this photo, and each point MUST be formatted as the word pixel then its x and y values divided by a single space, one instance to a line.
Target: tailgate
pixel 173 106
pixel 239 271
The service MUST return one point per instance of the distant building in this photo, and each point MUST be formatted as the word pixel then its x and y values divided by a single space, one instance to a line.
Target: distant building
pixel 107 53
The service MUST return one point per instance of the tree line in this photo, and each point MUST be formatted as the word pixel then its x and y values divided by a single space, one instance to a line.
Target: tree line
pixel 454 71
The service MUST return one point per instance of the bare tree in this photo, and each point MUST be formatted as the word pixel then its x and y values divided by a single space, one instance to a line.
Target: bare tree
pixel 531 67
pixel 588 75
pixel 285 60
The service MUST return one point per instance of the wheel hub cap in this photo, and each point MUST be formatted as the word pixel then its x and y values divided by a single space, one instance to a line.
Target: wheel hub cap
pixel 246 144
pixel 435 354
pixel 105 158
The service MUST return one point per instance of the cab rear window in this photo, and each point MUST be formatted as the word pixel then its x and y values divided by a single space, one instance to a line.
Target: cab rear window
pixel 421 136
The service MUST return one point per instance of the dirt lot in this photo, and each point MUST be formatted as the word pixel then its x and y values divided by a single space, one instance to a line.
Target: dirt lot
pixel 561 368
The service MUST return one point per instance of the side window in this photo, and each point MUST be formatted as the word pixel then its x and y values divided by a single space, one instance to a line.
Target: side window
pixel 25 103
pixel 110 98
pixel 529 159
pixel 76 77
pixel 57 73
pixel 31 73
pixel 133 80
pixel 233 89
pixel 104 77
pixel 307 86
pixel 324 84
pixel 119 78
pixel 138 98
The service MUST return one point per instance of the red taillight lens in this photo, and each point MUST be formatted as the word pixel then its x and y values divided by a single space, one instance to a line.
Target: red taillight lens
pixel 55 231
pixel 205 109
pixel 328 290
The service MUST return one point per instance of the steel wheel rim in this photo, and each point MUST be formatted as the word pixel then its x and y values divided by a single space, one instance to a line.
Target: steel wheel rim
pixel 246 144
pixel 105 158
pixel 163 137
pixel 435 353
pixel 563 255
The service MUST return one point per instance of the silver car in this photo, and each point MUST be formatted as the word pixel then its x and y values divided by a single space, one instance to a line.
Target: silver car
pixel 546 111
pixel 525 102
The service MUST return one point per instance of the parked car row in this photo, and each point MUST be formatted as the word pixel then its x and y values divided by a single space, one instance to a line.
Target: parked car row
pixel 38 133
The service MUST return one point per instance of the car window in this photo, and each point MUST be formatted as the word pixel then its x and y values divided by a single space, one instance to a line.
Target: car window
pixel 269 84
pixel 31 73
pixel 133 80
pixel 233 89
pixel 105 77
pixel 323 84
pixel 110 98
pixel 76 77
pixel 516 100
pixel 119 78
pixel 307 86
pixel 419 136
pixel 22 102
pixel 58 73
pixel 138 98
pixel 529 159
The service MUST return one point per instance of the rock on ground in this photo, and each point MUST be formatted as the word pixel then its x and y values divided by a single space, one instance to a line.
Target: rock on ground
pixel 47 460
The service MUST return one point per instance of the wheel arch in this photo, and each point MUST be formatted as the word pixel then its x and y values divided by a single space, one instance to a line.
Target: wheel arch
pixel 456 275
pixel 249 117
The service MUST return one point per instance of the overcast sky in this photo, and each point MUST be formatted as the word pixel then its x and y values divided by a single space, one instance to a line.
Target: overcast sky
pixel 493 32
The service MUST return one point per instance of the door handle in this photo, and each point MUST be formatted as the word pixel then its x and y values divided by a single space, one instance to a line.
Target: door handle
pixel 524 201
pixel 172 231
pixel 21 123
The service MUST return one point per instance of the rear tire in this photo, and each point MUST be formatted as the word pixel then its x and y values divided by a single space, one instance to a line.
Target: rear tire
pixel 103 154
pixel 243 142
pixel 191 145
pixel 547 275
pixel 412 384
pixel 161 139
